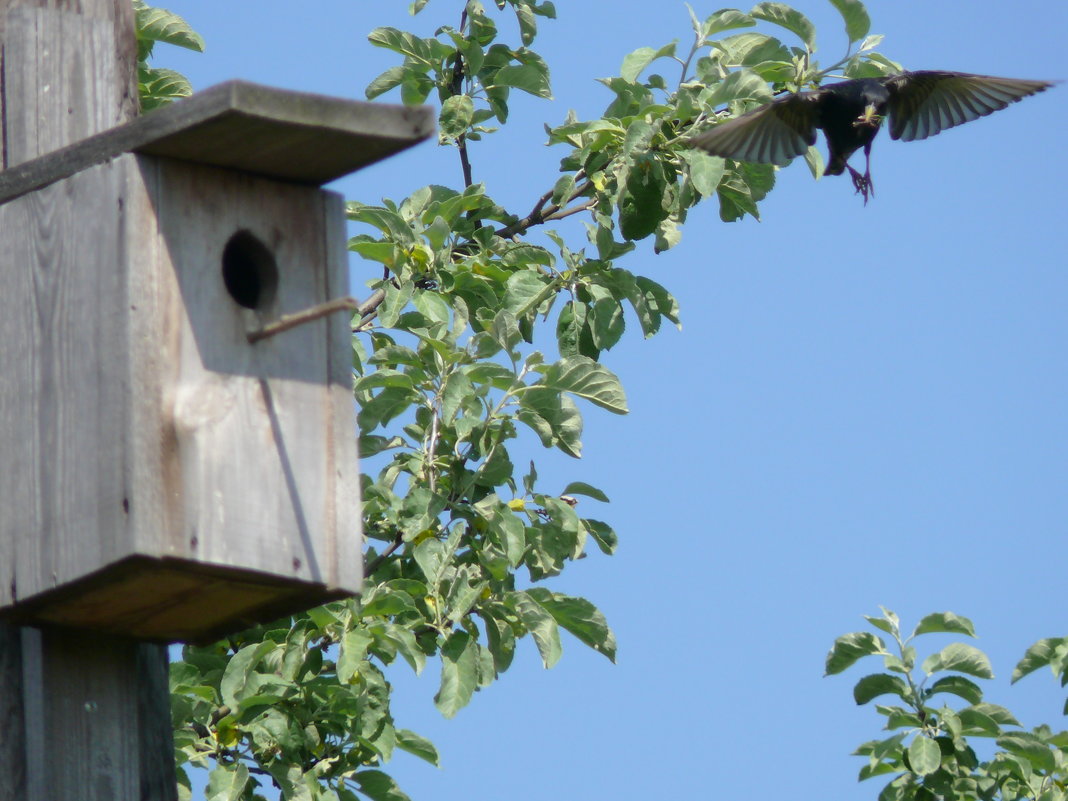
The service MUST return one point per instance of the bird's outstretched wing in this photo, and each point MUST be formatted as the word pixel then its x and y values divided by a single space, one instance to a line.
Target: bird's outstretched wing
pixel 927 102
pixel 771 134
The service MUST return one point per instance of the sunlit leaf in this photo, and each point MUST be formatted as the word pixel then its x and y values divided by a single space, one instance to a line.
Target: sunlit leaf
pixel 848 648
pixel 855 16
pixel 789 18
pixel 924 755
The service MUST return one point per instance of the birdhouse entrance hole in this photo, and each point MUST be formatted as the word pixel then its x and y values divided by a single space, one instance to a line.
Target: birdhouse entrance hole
pixel 249 271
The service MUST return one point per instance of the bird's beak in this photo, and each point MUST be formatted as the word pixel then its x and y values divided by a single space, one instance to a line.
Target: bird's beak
pixel 869 119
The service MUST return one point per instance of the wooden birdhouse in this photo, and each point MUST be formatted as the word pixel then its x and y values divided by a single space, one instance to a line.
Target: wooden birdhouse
pixel 168 471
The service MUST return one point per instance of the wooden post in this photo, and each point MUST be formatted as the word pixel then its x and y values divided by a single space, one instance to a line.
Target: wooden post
pixel 83 717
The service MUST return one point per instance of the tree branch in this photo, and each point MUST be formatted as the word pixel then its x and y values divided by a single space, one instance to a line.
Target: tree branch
pixel 456 88
pixel 377 562
pixel 542 213
pixel 288 321
pixel 561 213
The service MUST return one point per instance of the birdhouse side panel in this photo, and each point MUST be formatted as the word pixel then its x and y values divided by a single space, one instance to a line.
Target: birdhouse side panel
pixel 248 435
pixel 348 516
pixel 63 365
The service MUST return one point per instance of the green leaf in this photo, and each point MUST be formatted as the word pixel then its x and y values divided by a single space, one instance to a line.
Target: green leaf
pixel 855 16
pixel 571 328
pixel 525 291
pixel 407 44
pixel 456 115
pixel 814 160
pixel 641 206
pixel 582 488
pixel 706 170
pixel 725 20
pixel 924 755
pixel 390 79
pixel 500 639
pixel 586 378
pixel 378 786
pixel 1038 655
pixel 580 617
pixel 160 25
pixel 458 393
pixel 541 625
pixel 784 16
pixel 505 527
pixel 354 647
pixel 962 658
pixel 743 84
pixel 459 676
pixel 1030 747
pixel 554 417
pixel 227 782
pixel 430 556
pixel 651 302
pixel 945 622
pixel 889 622
pixel 463 592
pixel 878 684
pixel 607 539
pixel 976 723
pixel 239 670
pixel 749 50
pixel 418 746
pixel 531 78
pixel 958 686
pixel 528 27
pixel 159 87
pixel 997 713
pixel 635 62
pixel 606 323
pixel 387 603
pixel 848 648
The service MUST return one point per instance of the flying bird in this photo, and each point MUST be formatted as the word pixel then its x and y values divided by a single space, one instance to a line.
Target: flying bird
pixel 850 113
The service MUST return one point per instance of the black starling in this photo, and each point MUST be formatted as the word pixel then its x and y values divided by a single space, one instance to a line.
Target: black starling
pixel 920 104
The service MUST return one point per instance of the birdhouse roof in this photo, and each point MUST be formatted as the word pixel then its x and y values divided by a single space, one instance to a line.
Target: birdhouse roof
pixel 291 136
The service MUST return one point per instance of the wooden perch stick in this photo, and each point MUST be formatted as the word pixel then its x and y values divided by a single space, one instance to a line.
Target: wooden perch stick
pixel 287 321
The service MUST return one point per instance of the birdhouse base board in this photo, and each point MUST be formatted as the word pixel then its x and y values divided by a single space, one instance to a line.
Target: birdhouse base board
pixel 169 600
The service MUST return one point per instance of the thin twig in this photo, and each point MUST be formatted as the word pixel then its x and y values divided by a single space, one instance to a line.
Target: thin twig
pixel 382 557
pixel 288 321
pixel 457 88
pixel 465 162
pixel 559 215
pixel 540 213
pixel 368 310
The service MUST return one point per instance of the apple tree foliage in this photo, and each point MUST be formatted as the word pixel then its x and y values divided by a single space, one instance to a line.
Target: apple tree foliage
pixel 942 740
pixel 485 321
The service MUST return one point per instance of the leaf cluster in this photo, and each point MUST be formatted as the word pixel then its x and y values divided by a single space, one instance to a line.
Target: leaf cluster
pixel 930 753
pixel 483 336
pixel 158 86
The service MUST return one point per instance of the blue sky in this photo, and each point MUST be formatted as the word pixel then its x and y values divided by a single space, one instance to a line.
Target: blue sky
pixel 865 406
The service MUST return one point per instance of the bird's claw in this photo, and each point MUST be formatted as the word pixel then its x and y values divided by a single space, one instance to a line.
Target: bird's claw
pixel 862 183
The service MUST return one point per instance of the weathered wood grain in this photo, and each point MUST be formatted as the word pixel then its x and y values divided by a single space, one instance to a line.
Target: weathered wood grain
pixel 12 713
pixel 292 136
pixel 90 722
pixel 99 716
pixel 62 414
pixel 66 83
pixel 267 402
pixel 183 441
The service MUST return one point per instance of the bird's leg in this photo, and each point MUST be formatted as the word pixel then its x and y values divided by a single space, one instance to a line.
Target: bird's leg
pixel 863 183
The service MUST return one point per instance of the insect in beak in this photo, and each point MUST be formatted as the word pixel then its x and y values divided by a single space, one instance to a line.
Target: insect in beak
pixel 869 118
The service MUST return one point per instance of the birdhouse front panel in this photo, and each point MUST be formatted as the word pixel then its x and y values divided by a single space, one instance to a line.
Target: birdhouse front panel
pixel 171 471
pixel 248 432
pixel 218 482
